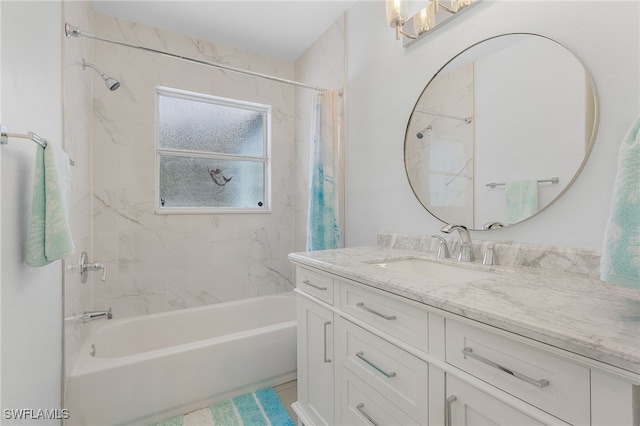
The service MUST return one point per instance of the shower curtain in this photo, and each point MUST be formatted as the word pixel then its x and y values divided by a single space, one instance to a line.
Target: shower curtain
pixel 326 183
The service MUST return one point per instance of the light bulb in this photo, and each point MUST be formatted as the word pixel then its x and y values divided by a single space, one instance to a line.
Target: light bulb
pixel 396 12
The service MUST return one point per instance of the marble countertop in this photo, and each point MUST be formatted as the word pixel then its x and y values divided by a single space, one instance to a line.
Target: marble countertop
pixel 574 312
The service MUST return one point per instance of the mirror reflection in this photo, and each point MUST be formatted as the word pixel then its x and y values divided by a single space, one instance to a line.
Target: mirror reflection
pixel 501 131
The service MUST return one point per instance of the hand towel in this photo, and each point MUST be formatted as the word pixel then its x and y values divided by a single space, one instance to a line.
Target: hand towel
pixel 620 262
pixel 49 234
pixel 522 199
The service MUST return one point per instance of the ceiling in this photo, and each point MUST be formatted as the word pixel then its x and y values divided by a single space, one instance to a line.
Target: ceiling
pixel 277 28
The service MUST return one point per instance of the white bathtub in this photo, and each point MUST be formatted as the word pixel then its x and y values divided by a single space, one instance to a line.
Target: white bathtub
pixel 150 368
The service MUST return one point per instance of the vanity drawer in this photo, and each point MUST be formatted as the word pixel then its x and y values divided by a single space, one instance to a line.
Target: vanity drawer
pixel 397 375
pixel 316 284
pixel 360 404
pixel 388 313
pixel 543 379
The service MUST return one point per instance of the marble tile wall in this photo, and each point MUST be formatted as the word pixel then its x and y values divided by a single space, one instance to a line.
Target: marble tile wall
pixel 561 259
pixel 77 85
pixel 158 263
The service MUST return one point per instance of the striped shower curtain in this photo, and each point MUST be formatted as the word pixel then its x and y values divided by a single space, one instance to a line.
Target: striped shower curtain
pixel 326 183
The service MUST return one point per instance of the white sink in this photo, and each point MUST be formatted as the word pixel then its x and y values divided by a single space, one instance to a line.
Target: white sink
pixel 435 270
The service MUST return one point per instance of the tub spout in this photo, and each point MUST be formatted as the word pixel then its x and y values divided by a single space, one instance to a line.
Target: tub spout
pixel 93 315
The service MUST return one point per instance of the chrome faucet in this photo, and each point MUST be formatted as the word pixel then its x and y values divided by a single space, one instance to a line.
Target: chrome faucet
pixel 466 251
pixel 93 315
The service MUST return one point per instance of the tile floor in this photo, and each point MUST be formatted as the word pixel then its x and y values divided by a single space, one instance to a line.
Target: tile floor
pixel 288 393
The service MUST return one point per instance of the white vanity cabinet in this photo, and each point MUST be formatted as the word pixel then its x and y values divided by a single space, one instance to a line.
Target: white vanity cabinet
pixel 316 362
pixel 366 356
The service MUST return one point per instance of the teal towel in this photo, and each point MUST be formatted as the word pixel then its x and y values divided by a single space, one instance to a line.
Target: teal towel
pixel 620 262
pixel 49 235
pixel 522 200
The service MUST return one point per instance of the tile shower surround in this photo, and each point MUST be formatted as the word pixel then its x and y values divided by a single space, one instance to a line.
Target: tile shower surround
pixel 159 262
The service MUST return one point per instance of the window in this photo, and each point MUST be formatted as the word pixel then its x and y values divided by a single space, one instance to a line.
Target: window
pixel 213 153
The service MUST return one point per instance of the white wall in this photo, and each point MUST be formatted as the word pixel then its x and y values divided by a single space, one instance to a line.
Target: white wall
pixel 384 81
pixel 31 297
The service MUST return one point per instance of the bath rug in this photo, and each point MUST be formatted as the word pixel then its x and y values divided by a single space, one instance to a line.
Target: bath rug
pixel 260 408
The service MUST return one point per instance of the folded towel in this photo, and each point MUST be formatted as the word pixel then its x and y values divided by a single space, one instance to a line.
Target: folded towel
pixel 620 262
pixel 522 200
pixel 49 234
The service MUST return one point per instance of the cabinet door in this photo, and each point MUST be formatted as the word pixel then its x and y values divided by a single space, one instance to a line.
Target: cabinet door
pixel 362 405
pixel 315 361
pixel 470 406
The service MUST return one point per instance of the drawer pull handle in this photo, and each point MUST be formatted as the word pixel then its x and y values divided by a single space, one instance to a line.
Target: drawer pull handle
pixel 360 407
pixel 326 358
pixel 447 412
pixel 378 369
pixel 542 383
pixel 307 282
pixel 387 317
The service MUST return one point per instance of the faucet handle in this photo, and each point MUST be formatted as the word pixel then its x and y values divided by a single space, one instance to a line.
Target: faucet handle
pixel 103 277
pixel 490 255
pixel 443 249
pixel 84 266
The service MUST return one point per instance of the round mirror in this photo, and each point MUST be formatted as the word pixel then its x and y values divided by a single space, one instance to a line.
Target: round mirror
pixel 501 131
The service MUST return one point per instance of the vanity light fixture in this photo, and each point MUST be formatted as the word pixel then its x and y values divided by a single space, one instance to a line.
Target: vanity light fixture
pixel 423 21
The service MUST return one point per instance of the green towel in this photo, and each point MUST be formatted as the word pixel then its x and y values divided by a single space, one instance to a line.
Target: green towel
pixel 522 199
pixel 620 263
pixel 49 234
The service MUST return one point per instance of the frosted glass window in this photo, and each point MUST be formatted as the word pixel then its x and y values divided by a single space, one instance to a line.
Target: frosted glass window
pixel 212 153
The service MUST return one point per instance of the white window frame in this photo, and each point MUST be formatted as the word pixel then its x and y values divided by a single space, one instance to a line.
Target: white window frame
pixel 266 159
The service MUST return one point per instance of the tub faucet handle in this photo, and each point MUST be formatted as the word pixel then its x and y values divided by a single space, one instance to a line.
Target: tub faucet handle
pixel 86 267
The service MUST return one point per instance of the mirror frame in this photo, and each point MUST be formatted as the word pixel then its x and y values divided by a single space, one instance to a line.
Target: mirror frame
pixel 588 146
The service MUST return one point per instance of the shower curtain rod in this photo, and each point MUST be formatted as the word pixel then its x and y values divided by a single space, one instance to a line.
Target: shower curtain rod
pixel 72 31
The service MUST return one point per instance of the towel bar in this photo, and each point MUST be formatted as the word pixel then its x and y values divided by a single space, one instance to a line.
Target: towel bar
pixel 552 180
pixel 5 135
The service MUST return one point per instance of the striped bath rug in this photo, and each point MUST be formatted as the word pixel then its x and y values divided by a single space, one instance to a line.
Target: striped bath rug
pixel 260 408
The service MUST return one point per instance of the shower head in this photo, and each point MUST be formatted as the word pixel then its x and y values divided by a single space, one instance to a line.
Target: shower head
pixel 420 134
pixel 111 83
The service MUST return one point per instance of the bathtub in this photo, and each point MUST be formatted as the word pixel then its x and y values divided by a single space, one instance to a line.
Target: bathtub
pixel 145 369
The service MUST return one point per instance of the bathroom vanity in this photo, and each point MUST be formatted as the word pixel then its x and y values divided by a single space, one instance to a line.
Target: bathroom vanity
pixel 390 336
